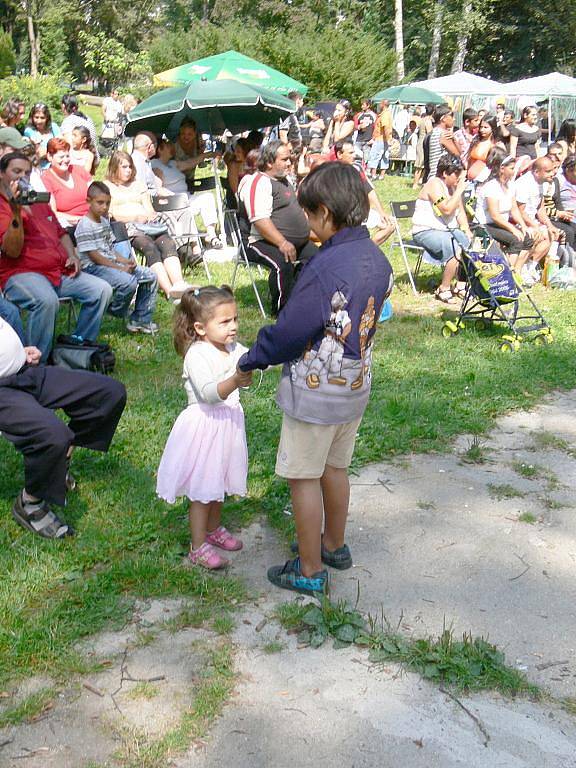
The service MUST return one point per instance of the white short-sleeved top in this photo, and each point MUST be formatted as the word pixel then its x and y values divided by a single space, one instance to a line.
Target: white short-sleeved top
pixel 494 190
pixel 528 192
pixel 205 366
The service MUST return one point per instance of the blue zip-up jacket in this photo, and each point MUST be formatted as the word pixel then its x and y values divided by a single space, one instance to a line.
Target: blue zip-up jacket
pixel 324 332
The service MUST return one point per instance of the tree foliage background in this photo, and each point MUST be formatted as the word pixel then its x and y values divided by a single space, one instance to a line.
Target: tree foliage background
pixel 339 48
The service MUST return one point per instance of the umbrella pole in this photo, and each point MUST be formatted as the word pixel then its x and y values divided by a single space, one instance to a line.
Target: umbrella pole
pixel 219 208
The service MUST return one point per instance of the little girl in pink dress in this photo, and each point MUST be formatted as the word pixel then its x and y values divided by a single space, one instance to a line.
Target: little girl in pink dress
pixel 206 457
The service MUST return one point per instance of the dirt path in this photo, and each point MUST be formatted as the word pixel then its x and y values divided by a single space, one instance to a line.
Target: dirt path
pixel 485 547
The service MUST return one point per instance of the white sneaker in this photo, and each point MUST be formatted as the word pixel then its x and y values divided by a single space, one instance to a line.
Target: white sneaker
pixel 536 274
pixel 527 276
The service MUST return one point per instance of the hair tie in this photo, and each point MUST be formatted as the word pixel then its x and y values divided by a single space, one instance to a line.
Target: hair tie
pixel 196 291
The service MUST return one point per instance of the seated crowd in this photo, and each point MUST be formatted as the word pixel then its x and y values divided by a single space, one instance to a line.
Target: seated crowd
pixel 70 237
pixel 523 192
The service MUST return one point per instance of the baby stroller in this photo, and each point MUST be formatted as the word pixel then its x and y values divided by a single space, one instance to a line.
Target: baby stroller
pixel 493 295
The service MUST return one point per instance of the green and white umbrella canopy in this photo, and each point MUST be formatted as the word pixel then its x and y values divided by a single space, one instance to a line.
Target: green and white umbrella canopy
pixel 230 65
pixel 215 106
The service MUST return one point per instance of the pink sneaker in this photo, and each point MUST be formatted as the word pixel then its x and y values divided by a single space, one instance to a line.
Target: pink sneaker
pixel 223 539
pixel 207 557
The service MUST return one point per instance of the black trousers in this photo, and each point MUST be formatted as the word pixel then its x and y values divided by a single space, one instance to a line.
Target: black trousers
pixel 282 273
pixel 569 229
pixel 28 399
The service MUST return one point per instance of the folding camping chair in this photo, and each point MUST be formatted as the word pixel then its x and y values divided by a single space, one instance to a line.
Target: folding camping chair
pixel 241 258
pixel 405 210
pixel 178 206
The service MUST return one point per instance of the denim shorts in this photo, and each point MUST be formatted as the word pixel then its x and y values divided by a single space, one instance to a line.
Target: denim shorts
pixel 440 244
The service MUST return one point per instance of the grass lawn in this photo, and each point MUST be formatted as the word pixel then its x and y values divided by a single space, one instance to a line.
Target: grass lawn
pixel 129 545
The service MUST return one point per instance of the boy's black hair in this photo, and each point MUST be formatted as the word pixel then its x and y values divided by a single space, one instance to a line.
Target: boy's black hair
pixel 469 114
pixel 97 188
pixel 339 187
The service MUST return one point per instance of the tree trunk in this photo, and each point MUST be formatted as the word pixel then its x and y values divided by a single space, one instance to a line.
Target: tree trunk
pixel 398 28
pixel 436 39
pixel 34 40
pixel 462 42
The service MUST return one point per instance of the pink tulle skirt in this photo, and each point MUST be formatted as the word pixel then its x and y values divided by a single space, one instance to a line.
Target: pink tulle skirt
pixel 206 457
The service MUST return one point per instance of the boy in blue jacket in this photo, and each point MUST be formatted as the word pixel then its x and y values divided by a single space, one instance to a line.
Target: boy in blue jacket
pixel 324 338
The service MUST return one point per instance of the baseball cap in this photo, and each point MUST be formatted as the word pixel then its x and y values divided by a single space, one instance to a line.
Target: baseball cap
pixel 12 138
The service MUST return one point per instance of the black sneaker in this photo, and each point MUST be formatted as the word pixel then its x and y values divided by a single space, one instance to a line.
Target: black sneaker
pixel 341 558
pixel 289 576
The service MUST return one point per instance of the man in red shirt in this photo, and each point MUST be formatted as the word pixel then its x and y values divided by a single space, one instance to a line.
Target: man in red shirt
pixel 38 264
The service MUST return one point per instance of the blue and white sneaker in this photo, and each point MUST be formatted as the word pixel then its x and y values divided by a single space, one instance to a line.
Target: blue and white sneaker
pixel 289 576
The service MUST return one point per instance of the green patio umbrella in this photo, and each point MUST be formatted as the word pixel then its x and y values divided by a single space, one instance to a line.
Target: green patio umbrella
pixel 409 94
pixel 230 65
pixel 215 106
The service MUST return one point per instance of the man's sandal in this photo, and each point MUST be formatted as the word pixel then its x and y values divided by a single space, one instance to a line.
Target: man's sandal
pixel 40 519
pixel 215 243
pixel 445 297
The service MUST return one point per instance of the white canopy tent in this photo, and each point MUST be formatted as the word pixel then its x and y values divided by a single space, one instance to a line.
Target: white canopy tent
pixel 558 90
pixel 465 89
pixel 463 84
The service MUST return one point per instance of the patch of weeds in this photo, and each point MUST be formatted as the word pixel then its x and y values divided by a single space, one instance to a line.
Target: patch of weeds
pixel 548 440
pixel 274 646
pixel 223 625
pixel 290 614
pixel 144 637
pixel 334 620
pixel 426 506
pixel 528 471
pixel 569 705
pixel 527 517
pixel 210 695
pixel 549 503
pixel 143 690
pixel 471 663
pixel 476 453
pixel 504 491
pixel 29 708
pixel 552 482
pixel 190 616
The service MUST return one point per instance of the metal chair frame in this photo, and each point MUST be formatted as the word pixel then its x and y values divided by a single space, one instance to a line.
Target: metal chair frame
pixel 404 209
pixel 241 258
pixel 173 204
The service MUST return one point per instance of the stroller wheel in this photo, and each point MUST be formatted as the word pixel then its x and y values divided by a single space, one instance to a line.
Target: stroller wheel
pixel 449 329
pixel 506 346
pixel 481 324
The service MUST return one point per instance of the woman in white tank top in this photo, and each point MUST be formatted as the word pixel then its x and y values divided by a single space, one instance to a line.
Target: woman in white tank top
pixel 440 224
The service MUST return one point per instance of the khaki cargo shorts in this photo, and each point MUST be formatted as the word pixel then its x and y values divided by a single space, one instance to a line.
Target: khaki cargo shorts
pixel 305 449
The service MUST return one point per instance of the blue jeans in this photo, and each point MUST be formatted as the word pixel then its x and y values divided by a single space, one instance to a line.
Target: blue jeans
pixel 36 294
pixel 141 282
pixel 11 314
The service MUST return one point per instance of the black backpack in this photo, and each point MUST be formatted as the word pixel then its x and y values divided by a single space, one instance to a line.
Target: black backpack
pixel 82 354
